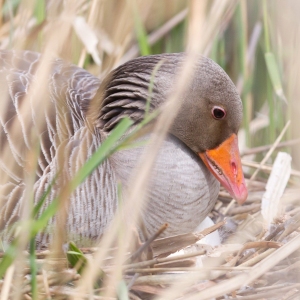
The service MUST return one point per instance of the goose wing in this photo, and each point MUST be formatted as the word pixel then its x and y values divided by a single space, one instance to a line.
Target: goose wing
pixel 54 106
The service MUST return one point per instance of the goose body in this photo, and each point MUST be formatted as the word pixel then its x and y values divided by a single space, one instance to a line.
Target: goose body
pixel 182 190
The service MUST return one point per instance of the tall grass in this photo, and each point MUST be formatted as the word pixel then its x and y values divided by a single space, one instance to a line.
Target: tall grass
pixel 246 38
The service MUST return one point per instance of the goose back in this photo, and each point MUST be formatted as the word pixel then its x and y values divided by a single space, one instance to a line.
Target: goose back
pixel 181 192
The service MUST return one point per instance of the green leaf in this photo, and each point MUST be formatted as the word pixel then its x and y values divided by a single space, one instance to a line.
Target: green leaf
pixel 76 258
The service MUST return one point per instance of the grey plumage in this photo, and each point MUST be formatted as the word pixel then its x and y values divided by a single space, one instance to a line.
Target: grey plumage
pixel 82 111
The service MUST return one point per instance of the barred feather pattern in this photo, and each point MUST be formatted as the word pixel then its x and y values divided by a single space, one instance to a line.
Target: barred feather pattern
pixel 64 135
pixel 182 191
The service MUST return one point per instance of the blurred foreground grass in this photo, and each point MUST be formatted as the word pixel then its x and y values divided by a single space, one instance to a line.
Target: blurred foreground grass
pixel 256 42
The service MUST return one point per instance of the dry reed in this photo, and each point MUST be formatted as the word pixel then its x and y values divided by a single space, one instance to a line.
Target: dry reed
pixel 253 261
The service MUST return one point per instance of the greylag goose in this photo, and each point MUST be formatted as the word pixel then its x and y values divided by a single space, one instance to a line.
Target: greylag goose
pixel 200 151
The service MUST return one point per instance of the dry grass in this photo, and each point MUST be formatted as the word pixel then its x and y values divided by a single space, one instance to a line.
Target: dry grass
pixel 254 261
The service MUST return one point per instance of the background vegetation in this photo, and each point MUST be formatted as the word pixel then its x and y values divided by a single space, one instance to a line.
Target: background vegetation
pixel 256 42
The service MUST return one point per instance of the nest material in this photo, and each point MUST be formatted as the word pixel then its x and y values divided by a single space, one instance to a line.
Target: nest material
pixel 251 262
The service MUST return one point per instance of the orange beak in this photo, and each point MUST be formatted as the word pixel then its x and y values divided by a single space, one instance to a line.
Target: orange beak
pixel 224 162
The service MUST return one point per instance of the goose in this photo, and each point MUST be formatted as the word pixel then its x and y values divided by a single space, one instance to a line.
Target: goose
pixel 199 153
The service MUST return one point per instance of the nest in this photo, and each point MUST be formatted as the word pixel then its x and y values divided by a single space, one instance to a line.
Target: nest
pixel 252 261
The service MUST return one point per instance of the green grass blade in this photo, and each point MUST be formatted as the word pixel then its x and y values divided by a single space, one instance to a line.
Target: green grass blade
pixel 274 74
pixel 40 11
pixel 33 270
pixel 151 85
pixel 242 40
pixel 40 203
pixel 141 33
pixel 107 148
pixel 242 45
pixel 8 258
pixel 42 221
pixel 131 145
pixel 266 27
pixel 130 139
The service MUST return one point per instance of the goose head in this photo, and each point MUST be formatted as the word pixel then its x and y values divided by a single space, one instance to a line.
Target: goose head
pixel 208 119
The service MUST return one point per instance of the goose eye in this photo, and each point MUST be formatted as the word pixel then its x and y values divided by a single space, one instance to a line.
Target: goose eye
pixel 218 112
